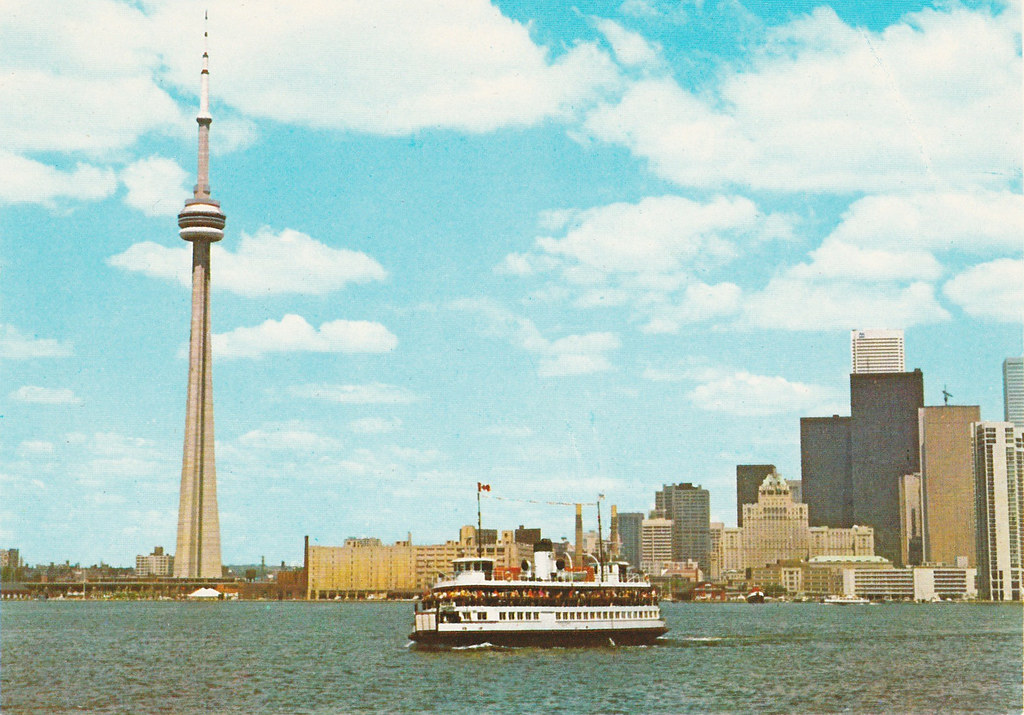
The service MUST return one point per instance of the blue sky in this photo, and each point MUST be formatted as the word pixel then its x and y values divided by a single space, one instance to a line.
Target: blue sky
pixel 561 250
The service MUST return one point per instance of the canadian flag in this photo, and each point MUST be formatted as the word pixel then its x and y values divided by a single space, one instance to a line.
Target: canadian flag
pixel 483 487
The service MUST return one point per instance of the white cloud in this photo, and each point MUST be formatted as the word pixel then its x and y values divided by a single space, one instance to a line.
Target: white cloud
pixel 287 439
pixel 658 234
pixel 374 393
pixel 976 222
pixel 267 263
pixel 794 304
pixel 631 49
pixel 385 67
pixel 700 302
pixel 45 395
pixel 35 448
pixel 375 425
pixel 16 346
pixel 156 186
pixel 835 259
pixel 24 180
pixel 293 334
pixel 932 100
pixel 511 431
pixel 993 290
pixel 572 364
pixel 742 393
pixel 570 355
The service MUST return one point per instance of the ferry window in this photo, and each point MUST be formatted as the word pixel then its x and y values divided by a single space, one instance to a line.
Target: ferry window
pixel 501 616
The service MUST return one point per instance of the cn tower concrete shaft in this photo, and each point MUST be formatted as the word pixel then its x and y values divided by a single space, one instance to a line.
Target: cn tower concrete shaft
pixel 201 223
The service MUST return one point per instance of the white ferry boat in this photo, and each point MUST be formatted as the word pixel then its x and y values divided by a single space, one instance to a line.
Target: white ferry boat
pixel 546 605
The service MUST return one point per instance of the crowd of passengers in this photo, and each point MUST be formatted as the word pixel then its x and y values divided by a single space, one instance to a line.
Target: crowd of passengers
pixel 543 597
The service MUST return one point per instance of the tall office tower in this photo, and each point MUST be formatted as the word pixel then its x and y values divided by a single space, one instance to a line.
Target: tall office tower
pixel 1013 390
pixel 883 447
pixel 748 479
pixel 523 535
pixel 947 482
pixel 629 533
pixel 689 508
pixel 655 544
pixel 775 527
pixel 877 351
pixel 825 461
pixel 201 223
pixel 998 449
pixel 911 519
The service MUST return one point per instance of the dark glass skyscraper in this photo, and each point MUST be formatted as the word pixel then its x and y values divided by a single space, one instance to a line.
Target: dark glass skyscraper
pixel 851 466
pixel 689 508
pixel 748 479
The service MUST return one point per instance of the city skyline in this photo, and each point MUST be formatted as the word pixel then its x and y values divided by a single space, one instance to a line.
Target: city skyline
pixel 462 250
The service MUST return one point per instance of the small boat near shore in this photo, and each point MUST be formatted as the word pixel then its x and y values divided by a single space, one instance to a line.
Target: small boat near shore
pixel 846 601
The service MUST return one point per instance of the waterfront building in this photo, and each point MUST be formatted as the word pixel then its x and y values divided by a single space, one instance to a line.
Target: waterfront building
pixel 748 479
pixel 947 482
pixel 911 519
pixel 359 568
pixel 10 558
pixel 630 524
pixel 155 564
pixel 201 223
pixel 910 584
pixel 825 467
pixel 655 544
pixel 998 449
pixel 827 542
pixel 775 528
pixel 689 508
pixel 1013 390
pixel 876 351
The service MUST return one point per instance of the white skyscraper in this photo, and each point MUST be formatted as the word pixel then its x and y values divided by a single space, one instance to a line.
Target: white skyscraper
pixel 877 351
pixel 1013 390
pixel 998 449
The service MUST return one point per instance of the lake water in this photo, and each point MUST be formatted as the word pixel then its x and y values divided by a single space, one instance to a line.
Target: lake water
pixel 354 657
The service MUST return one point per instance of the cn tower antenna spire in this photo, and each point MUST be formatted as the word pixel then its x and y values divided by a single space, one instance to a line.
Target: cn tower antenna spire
pixel 204 118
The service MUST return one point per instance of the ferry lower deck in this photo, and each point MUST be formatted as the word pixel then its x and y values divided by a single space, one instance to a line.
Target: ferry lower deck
pixel 524 625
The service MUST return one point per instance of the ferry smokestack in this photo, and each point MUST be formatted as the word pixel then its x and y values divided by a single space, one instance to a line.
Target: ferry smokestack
pixel 613 535
pixel 578 556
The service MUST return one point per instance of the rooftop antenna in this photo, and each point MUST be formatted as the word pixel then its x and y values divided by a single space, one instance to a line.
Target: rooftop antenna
pixel 946 395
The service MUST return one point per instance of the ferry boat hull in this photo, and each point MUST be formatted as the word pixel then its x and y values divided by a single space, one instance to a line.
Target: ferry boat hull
pixel 540 639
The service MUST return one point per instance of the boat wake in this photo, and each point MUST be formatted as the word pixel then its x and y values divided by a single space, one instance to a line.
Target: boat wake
pixel 480 646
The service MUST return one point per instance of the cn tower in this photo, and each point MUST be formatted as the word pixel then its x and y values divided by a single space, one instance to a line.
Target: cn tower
pixel 201 223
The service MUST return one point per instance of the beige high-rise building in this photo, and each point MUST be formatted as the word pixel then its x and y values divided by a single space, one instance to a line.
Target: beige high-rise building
pixel 726 550
pixel 201 223
pixel 776 527
pixel 360 567
pixel 655 544
pixel 947 483
pixel 998 452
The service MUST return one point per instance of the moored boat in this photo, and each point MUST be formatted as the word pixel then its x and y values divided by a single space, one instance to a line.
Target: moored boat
pixel 544 604
pixel 846 601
